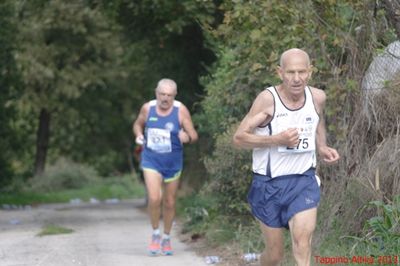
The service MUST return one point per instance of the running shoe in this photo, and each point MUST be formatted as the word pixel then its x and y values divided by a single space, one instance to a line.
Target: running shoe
pixel 166 248
pixel 154 247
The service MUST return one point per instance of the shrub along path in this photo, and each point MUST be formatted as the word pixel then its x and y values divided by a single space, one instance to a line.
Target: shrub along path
pixel 104 234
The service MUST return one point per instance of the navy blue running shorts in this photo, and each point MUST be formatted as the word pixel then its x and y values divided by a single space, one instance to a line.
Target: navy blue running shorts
pixel 168 165
pixel 274 201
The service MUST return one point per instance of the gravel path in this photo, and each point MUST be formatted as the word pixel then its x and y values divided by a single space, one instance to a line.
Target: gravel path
pixel 105 234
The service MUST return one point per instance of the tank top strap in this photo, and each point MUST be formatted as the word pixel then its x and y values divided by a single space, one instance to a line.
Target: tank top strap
pixel 177 103
pixel 308 93
pixel 278 104
pixel 153 102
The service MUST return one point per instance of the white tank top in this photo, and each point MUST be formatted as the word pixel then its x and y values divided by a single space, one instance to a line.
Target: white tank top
pixel 278 160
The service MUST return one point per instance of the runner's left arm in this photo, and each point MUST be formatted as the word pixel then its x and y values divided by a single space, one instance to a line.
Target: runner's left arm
pixel 329 155
pixel 189 133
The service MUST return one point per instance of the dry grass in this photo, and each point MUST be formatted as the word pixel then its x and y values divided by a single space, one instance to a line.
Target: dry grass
pixel 370 165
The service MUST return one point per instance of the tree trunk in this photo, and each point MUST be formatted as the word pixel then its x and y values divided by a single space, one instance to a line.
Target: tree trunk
pixel 392 11
pixel 42 141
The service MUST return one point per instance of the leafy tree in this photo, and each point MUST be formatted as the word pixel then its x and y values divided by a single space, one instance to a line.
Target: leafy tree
pixel 9 89
pixel 173 40
pixel 66 49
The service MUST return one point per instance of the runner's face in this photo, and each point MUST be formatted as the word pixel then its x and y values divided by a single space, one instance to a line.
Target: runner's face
pixel 165 97
pixel 295 73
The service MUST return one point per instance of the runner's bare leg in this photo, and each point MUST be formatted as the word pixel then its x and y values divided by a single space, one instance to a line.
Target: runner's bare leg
pixel 273 239
pixel 302 227
pixel 153 185
pixel 170 191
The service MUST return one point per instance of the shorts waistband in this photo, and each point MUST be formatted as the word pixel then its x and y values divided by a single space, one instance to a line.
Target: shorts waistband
pixel 259 177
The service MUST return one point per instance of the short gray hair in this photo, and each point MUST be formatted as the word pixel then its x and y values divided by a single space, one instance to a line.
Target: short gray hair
pixel 167 83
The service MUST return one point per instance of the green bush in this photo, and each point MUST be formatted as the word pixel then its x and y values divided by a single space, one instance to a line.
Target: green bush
pixel 120 187
pixel 64 174
pixel 381 233
pixel 106 163
pixel 198 211
pixel 230 172
pixel 203 215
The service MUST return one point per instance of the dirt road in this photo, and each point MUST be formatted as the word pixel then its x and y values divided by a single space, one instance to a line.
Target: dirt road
pixel 105 234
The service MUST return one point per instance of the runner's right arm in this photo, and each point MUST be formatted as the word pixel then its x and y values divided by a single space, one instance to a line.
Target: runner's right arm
pixel 260 114
pixel 139 124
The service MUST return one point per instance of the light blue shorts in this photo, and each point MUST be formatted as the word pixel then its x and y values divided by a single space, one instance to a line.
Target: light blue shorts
pixel 274 201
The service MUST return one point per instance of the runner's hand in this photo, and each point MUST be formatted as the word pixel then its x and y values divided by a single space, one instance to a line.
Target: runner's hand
pixel 139 140
pixel 289 137
pixel 183 136
pixel 329 155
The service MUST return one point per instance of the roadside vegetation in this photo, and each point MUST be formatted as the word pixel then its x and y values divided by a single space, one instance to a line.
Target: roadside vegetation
pixel 54 230
pixel 71 86
pixel 66 181
pixel 358 215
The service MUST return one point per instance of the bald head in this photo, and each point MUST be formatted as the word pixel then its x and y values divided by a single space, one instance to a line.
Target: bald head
pixel 295 71
pixel 294 52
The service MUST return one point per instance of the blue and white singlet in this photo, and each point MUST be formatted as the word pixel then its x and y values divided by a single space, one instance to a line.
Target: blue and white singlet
pixel 278 160
pixel 163 151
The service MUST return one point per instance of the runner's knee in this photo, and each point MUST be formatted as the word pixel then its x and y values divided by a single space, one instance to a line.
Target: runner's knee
pixel 169 202
pixel 272 257
pixel 301 245
pixel 154 200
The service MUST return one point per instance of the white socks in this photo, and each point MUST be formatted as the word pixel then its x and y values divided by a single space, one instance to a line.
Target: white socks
pixel 157 232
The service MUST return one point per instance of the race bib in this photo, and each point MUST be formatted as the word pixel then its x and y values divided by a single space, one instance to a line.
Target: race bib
pixel 159 140
pixel 306 139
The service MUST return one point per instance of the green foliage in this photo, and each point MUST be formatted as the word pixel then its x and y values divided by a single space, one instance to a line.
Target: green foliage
pixel 64 174
pixel 121 187
pixel 76 64
pixel 221 231
pixel 338 102
pixel 198 211
pixel 251 38
pixel 231 176
pixel 203 215
pixel 54 230
pixel 381 233
pixel 71 48
pixel 69 54
pixel 166 16
pixel 172 44
pixel 230 92
pixel 8 89
pixel 249 237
